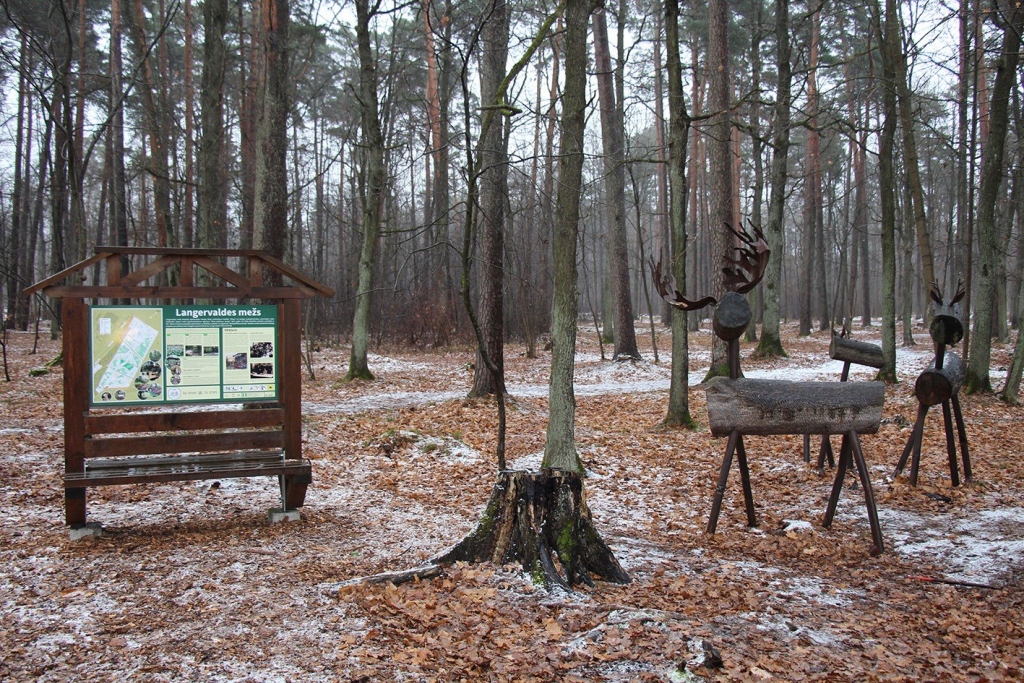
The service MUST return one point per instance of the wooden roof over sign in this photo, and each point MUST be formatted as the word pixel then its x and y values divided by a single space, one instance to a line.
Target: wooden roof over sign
pixel 70 282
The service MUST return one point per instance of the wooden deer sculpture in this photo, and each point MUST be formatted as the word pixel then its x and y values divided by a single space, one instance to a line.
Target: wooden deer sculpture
pixel 739 406
pixel 940 385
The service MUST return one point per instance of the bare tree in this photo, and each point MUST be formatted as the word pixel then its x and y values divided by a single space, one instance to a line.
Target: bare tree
pixel 615 186
pixel 1010 16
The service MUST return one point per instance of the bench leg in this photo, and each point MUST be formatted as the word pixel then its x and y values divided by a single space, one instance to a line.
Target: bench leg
pixel 293 491
pixel 74 507
pixel 748 494
pixel 962 433
pixel 869 495
pixel 837 486
pixel 807 448
pixel 723 477
pixel 947 422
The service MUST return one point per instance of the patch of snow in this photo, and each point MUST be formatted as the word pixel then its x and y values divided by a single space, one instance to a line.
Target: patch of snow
pixel 980 547
pixel 797 526
pixel 529 463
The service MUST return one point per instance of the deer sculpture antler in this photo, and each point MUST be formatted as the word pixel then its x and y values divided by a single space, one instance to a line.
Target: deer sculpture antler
pixel 666 285
pixel 936 294
pixel 747 265
pixel 743 270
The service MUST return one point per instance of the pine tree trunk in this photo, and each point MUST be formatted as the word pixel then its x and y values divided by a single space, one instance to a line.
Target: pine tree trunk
pixel 270 208
pixel 770 345
pixel 212 192
pixel 493 183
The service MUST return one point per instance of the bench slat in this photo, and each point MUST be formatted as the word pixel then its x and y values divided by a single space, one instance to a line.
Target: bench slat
pixel 186 468
pixel 165 422
pixel 182 443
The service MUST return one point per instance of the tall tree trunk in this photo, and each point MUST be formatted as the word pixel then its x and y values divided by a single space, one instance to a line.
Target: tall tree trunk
pixel 911 163
pixel 664 230
pixel 373 198
pixel 493 158
pixel 977 378
pixel 213 205
pixel 548 206
pixel 906 290
pixel 188 220
pixel 118 175
pixel 720 158
pixel 615 196
pixel 678 414
pixel 770 345
pixel 560 448
pixel 156 128
pixel 809 273
pixel 17 304
pixel 756 296
pixel 250 84
pixel 270 209
pixel 433 106
pixel 889 42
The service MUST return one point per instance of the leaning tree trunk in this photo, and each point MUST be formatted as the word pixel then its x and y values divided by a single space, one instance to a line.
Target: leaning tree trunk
pixel 535 517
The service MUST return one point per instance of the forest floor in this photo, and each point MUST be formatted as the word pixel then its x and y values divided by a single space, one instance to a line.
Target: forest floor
pixel 190 581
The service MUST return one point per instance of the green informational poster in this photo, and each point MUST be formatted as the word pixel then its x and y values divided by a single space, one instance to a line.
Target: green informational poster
pixel 183 354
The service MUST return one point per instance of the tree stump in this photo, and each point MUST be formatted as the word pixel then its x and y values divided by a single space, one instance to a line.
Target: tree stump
pixel 538 519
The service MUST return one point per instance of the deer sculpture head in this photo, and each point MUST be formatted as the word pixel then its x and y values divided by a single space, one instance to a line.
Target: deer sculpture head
pixel 946 327
pixel 744 267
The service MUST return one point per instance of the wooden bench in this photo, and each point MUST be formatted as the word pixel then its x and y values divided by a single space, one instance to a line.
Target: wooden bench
pixel 188 446
pixel 738 407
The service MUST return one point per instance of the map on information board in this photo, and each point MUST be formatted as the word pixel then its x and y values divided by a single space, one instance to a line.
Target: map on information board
pixel 183 354
pixel 126 353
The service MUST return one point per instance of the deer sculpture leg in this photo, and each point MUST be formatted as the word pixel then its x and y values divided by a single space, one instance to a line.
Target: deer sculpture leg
pixel 837 486
pixel 748 494
pixel 947 420
pixel 915 435
pixel 869 494
pixel 723 478
pixel 962 434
